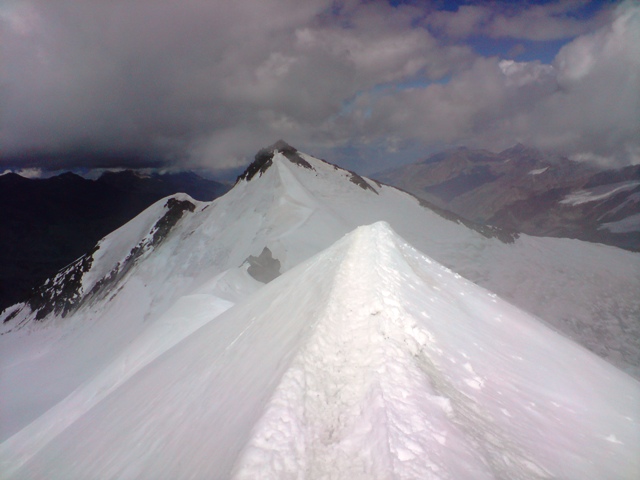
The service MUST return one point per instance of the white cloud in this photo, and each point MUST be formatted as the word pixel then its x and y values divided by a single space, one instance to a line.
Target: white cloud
pixel 587 104
pixel 30 173
pixel 550 21
pixel 520 74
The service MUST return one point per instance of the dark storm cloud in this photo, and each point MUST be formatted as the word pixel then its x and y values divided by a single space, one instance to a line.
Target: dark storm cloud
pixel 212 81
pixel 202 82
pixel 144 76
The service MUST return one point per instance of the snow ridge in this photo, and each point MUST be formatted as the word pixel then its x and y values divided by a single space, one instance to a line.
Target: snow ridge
pixel 353 402
pixel 370 396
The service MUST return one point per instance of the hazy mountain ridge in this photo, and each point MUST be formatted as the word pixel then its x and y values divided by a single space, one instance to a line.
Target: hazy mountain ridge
pixel 48 223
pixel 529 191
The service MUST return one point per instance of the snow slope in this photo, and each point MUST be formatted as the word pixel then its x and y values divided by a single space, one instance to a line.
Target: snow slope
pixel 182 364
pixel 628 224
pixel 369 360
pixel 598 193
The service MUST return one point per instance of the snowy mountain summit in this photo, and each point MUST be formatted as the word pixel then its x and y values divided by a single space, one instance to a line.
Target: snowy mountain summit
pixel 312 323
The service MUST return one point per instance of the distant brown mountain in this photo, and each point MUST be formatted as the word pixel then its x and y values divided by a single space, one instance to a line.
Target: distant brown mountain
pixel 530 191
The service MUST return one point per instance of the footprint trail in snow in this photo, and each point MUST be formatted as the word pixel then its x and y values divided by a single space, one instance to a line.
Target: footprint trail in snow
pixel 372 394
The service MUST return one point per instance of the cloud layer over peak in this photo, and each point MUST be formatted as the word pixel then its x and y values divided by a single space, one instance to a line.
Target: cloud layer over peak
pixel 208 83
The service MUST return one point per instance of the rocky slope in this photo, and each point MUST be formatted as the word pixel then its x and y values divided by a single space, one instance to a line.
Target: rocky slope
pixel 529 191
pixel 47 223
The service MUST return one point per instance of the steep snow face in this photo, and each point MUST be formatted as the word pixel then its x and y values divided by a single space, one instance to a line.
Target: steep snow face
pixel 369 360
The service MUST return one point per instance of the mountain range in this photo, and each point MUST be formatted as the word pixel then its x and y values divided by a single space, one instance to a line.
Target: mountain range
pixel 314 323
pixel 530 191
pixel 47 223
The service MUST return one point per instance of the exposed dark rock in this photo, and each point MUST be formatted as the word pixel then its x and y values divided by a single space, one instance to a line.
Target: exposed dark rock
pixel 361 182
pixel 291 154
pixel 463 183
pixel 11 315
pixel 175 211
pixel 63 294
pixel 354 177
pixel 264 159
pixel 45 224
pixel 614 176
pixel 503 234
pixel 264 267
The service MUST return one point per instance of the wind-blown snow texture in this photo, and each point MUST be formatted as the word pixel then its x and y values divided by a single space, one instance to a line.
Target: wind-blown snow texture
pixel 364 359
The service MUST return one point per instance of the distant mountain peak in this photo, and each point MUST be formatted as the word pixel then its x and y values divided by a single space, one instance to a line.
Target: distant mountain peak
pixel 12 175
pixel 521 149
pixel 264 159
pixel 281 146
pixel 67 176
